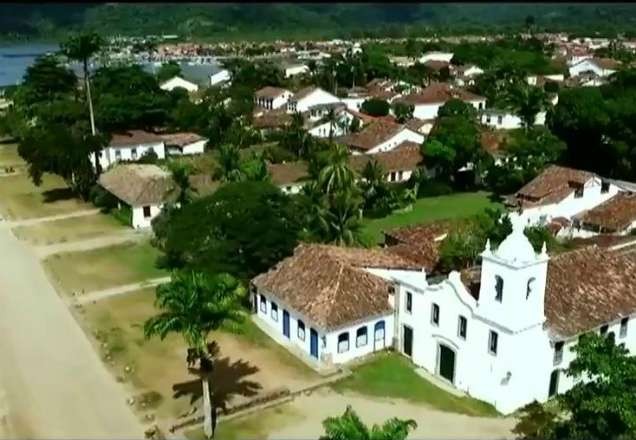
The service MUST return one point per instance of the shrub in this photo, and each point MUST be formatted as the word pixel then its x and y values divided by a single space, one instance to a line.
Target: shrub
pixel 102 198
pixel 375 107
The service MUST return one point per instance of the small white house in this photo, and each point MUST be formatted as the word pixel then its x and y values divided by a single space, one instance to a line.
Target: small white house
pixel 180 144
pixel 309 97
pixel 380 136
pixel 427 103
pixel 144 189
pixel 179 83
pixel 534 80
pixel 296 69
pixel 601 67
pixel 129 146
pixel 272 98
pixel 560 192
pixel 436 56
pixel 503 120
pixel 220 77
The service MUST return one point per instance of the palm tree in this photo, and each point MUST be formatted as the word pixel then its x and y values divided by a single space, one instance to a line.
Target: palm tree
pixel 340 221
pixel 527 101
pixel 349 427
pixel 81 48
pixel 229 163
pixel 332 119
pixel 181 176
pixel 336 175
pixel 193 305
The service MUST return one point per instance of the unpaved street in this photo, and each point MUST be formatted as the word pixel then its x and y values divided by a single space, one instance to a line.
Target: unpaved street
pixel 55 384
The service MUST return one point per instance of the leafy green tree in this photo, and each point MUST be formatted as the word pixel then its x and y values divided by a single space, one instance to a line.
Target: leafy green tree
pixel 375 107
pixel 44 81
pixel 181 175
pixel 243 228
pixel 601 403
pixel 193 305
pixel 336 218
pixel 440 157
pixel 229 160
pixel 527 101
pixel 457 107
pixel 403 112
pixel 349 427
pixel 168 71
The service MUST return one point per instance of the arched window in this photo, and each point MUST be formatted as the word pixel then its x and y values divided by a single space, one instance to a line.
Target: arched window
pixel 361 336
pixel 343 342
pixel 530 286
pixel 499 288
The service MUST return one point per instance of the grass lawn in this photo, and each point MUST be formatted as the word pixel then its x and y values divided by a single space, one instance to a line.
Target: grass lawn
pixel 393 376
pixel 21 199
pixel 102 268
pixel 70 229
pixel 245 366
pixel 428 209
pixel 9 155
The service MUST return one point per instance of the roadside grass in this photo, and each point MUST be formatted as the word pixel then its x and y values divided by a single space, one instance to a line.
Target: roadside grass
pixel 247 364
pixel 428 209
pixel 70 229
pixel 105 267
pixel 21 199
pixel 390 375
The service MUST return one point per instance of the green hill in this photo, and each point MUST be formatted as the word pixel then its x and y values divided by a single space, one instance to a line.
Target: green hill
pixel 234 20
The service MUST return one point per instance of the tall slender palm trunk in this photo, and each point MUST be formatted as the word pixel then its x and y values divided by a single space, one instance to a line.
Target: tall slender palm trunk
pixel 207 408
pixel 87 85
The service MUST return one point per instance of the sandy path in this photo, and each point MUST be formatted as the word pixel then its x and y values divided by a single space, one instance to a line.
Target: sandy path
pixel 37 220
pixel 55 384
pixel 91 243
pixel 310 411
pixel 99 295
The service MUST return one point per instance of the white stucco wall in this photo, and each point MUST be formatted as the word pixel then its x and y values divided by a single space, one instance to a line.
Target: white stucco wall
pixel 220 77
pixel 295 70
pixel 317 97
pixel 509 121
pixel 429 111
pixel 138 219
pixel 327 340
pixel 354 103
pixel 109 154
pixel 404 135
pixel 589 65
pixel 180 83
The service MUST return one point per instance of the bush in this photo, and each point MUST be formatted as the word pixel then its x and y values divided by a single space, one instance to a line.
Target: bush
pixel 551 87
pixel 375 107
pixel 278 154
pixel 432 188
pixel 102 198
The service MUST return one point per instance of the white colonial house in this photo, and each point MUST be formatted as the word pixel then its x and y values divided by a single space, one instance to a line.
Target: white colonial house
pixel 535 80
pixel 559 194
pixel 272 98
pixel 130 146
pixel 505 120
pixel 502 332
pixel 184 143
pixel 380 136
pixel 309 97
pixel 143 189
pixel 601 67
pixel 445 57
pixel 179 83
pixel 220 77
pixel 426 104
pixel 295 69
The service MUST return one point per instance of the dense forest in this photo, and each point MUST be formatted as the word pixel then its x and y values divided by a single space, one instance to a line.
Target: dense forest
pixel 278 20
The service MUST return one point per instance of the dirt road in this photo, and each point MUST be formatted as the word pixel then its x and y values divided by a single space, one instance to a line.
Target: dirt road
pixel 306 413
pixel 55 384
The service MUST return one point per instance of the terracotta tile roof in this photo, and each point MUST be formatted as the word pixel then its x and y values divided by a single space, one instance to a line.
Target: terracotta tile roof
pixel 139 185
pixel 551 186
pixel 614 215
pixel 419 243
pixel 439 93
pixel 133 137
pixel 269 92
pixel 418 124
pixel 606 63
pixel 288 172
pixel 272 119
pixel 328 285
pixel 587 288
pixel 406 156
pixel 493 141
pixel 372 134
pixel 303 93
pixel 181 139
pixel 436 64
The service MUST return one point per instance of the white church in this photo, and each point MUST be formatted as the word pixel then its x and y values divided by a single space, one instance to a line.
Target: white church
pixel 502 332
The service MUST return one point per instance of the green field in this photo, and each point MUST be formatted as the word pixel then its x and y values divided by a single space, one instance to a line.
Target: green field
pixel 459 205
pixel 393 376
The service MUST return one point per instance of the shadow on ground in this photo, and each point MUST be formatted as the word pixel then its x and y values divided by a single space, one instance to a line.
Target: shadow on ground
pixel 227 381
pixel 57 194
